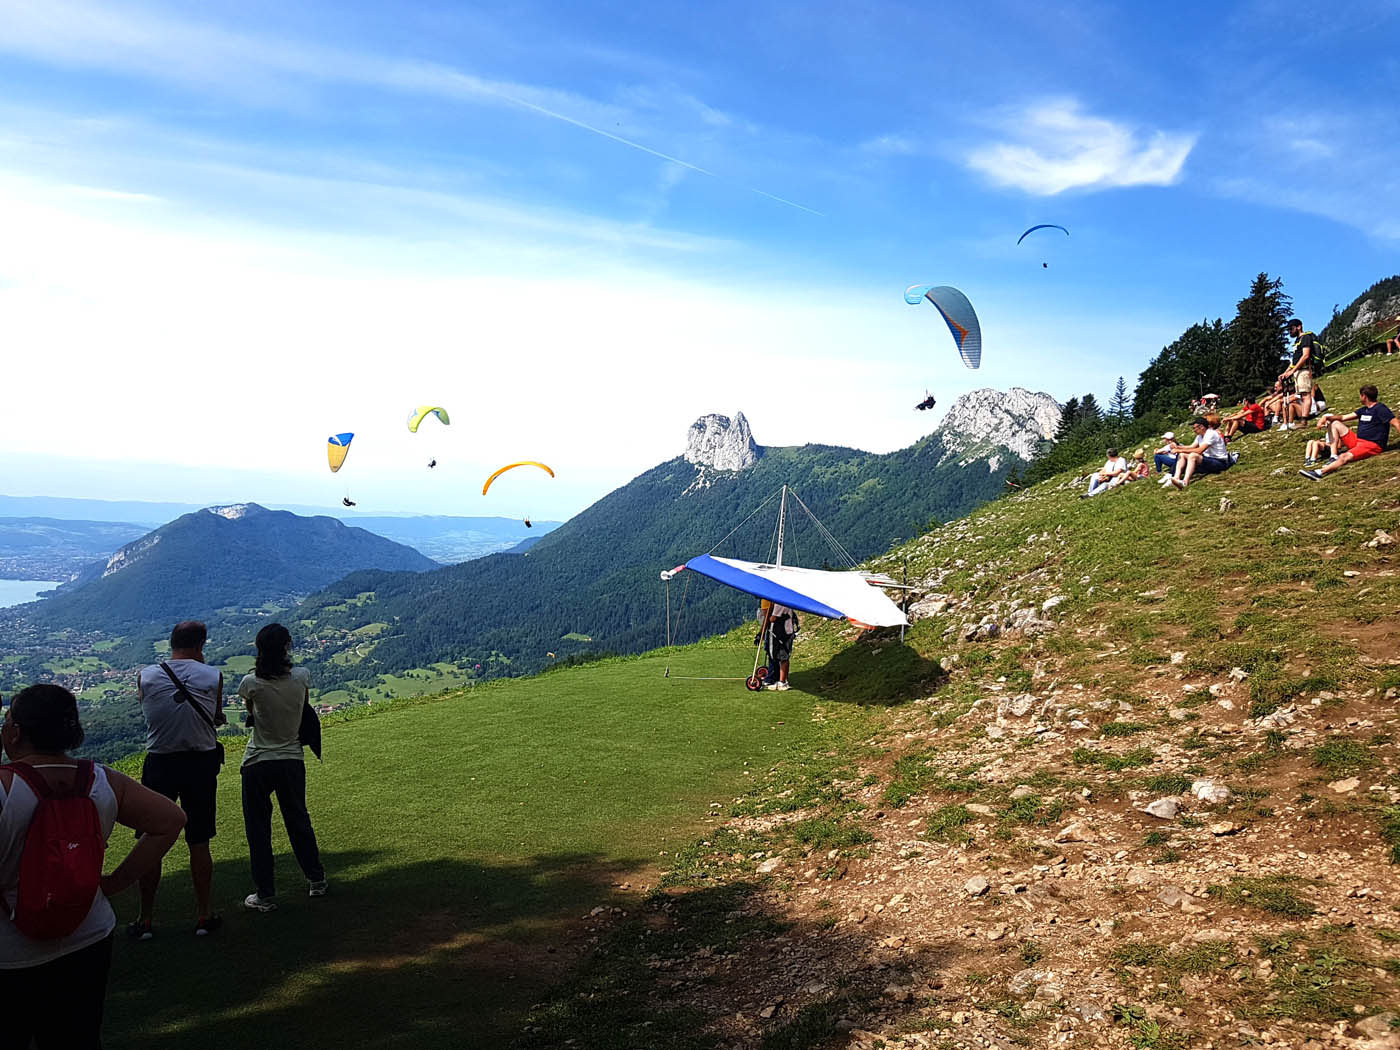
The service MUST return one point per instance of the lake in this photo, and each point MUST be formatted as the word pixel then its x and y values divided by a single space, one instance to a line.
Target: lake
pixel 17 592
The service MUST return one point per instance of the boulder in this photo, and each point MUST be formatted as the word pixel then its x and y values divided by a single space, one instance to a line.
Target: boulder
pixel 1163 808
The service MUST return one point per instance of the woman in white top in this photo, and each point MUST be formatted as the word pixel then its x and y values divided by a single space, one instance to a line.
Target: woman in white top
pixel 54 989
pixel 275 693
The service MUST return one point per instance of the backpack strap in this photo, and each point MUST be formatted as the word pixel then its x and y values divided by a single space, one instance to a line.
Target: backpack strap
pixel 185 697
pixel 84 774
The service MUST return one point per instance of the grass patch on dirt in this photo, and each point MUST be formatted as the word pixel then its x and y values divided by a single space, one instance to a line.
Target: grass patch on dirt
pixel 1276 894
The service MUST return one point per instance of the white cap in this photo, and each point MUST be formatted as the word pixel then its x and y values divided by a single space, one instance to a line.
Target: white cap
pixel 1169 436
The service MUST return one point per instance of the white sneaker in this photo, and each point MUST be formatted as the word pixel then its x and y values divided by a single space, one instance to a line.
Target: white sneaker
pixel 781 686
pixel 317 889
pixel 255 903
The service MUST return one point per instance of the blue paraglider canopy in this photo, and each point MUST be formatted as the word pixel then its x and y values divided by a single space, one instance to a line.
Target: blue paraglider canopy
pixel 957 312
pixel 1042 226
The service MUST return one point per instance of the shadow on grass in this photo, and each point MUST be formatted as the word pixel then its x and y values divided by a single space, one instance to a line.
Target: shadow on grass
pixel 712 967
pixel 875 670
pixel 441 953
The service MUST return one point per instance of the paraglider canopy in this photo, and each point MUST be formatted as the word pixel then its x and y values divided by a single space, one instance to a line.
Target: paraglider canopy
pixel 422 412
pixel 957 312
pixel 512 466
pixel 1043 226
pixel 337 448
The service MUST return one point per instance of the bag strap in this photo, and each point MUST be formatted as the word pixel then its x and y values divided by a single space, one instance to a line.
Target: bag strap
pixel 184 695
pixel 83 776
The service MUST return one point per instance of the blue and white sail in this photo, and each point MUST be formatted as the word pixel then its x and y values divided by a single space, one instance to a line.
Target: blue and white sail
pixel 838 595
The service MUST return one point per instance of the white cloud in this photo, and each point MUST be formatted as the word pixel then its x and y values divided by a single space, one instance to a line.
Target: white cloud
pixel 1054 146
pixel 271 71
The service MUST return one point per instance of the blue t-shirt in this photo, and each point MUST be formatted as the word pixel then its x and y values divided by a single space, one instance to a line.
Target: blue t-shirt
pixel 1373 423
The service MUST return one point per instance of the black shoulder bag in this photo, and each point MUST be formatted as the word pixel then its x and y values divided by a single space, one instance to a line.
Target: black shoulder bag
pixel 183 696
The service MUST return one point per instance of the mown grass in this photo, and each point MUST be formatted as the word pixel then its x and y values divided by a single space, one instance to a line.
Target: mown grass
pixel 461 836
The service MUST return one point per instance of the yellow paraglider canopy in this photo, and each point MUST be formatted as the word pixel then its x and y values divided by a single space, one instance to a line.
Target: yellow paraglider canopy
pixel 422 412
pixel 512 466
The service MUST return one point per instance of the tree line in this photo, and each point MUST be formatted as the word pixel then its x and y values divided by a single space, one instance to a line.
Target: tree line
pixel 1236 359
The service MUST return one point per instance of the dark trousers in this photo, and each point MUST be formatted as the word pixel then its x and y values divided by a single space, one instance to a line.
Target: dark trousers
pixel 286 778
pixel 59 1004
pixel 1164 461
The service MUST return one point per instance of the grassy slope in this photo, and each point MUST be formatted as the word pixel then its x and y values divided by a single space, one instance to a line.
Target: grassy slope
pixel 448 889
pixel 461 836
pixel 863 935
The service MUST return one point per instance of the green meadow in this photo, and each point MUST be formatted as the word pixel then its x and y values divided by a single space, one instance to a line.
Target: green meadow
pixel 464 837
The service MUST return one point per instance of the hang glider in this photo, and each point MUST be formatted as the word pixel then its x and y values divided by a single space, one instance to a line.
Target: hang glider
pixel 838 595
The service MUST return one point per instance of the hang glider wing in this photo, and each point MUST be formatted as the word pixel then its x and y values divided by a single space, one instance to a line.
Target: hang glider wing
pixel 836 595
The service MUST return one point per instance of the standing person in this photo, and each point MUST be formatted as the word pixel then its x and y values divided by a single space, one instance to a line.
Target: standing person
pixel 1303 368
pixel 54 989
pixel 183 701
pixel 1114 467
pixel 275 693
pixel 781 625
pixel 1373 425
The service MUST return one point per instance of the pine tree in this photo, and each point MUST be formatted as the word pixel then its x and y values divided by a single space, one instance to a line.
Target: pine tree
pixel 1089 411
pixel 1119 410
pixel 1069 416
pixel 1256 345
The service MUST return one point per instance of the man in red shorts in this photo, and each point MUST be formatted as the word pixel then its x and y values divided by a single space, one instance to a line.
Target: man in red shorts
pixel 1373 424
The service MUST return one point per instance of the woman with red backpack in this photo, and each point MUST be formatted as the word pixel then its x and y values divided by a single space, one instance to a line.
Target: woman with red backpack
pixel 56 815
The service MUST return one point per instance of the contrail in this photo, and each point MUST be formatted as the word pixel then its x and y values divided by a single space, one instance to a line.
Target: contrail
pixel 545 111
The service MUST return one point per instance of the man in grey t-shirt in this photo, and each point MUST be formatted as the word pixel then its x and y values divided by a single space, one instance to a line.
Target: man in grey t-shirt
pixel 182 760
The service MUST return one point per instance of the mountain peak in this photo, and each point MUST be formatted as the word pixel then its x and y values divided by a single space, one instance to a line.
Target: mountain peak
pixel 721 443
pixel 234 511
pixel 1017 419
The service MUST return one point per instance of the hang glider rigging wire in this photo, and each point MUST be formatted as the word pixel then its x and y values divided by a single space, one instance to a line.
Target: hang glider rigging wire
pixel 671 635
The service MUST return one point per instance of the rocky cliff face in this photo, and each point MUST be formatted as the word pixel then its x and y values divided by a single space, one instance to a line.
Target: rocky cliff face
pixel 721 443
pixel 982 420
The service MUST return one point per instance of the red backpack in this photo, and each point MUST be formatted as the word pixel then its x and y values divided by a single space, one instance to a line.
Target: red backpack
pixel 61 867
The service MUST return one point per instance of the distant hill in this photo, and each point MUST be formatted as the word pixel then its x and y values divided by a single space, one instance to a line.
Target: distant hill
pixel 592 584
pixel 221 559
pixel 447 539
pixel 55 549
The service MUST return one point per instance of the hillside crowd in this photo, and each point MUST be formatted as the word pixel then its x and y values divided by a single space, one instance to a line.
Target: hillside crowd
pixel 57 815
pixel 1294 400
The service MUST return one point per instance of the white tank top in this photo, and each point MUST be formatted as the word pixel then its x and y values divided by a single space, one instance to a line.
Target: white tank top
pixel 16 811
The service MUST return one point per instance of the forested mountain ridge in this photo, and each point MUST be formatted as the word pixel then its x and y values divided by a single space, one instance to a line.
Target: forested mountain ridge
pixel 240 557
pixel 592 584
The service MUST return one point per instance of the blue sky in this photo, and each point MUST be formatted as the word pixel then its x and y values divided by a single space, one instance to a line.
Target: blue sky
pixel 230 230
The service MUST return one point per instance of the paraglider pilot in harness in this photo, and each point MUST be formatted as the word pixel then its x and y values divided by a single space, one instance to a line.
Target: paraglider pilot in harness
pixel 927 403
pixel 780 625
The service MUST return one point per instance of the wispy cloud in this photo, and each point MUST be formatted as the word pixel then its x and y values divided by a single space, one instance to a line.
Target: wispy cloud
pixel 1323 163
pixel 1054 146
pixel 209 58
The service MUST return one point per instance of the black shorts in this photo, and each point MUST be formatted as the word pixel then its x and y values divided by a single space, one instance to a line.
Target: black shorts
pixel 190 778
pixel 1212 465
pixel 1246 427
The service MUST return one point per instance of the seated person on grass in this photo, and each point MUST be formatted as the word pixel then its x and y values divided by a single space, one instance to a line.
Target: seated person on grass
pixel 1319 448
pixel 1205 455
pixel 1114 467
pixel 1392 345
pixel 1248 420
pixel 1164 458
pixel 1373 425
pixel 1137 468
pixel 1272 402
